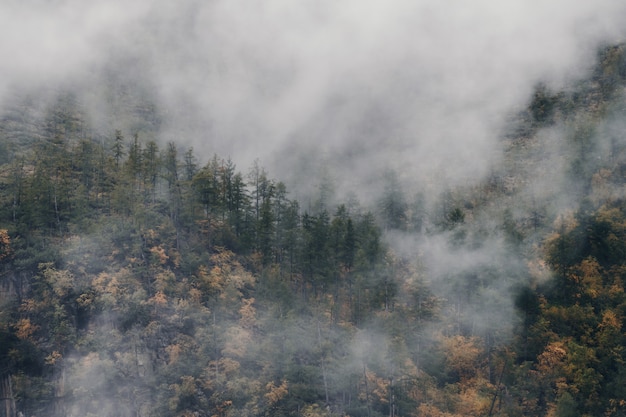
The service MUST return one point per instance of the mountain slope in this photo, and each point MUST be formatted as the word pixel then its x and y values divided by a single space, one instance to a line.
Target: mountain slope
pixel 138 280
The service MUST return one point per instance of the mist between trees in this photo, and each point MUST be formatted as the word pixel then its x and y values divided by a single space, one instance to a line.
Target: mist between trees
pixel 138 280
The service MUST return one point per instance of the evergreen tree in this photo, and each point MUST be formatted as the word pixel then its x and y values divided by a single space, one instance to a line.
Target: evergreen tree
pixel 393 206
pixel 118 148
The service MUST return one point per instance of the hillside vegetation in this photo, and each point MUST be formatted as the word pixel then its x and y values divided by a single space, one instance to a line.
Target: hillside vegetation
pixel 139 280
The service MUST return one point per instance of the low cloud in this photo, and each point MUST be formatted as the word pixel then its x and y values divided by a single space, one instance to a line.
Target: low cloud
pixel 422 86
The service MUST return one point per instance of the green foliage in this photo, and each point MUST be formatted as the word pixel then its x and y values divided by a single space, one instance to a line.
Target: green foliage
pixel 392 205
pixel 543 105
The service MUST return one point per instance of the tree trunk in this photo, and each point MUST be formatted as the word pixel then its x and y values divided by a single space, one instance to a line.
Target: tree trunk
pixel 319 341
pixel 59 394
pixel 6 395
pixel 367 392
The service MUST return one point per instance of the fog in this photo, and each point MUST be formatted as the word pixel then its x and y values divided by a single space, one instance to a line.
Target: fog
pixel 346 89
pixel 423 87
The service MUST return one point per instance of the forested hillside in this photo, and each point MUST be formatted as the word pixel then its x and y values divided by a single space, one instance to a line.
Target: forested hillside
pixel 138 279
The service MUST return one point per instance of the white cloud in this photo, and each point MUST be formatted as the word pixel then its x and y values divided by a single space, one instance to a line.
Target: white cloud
pixel 423 84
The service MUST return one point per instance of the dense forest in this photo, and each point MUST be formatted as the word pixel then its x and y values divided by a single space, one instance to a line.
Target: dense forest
pixel 139 280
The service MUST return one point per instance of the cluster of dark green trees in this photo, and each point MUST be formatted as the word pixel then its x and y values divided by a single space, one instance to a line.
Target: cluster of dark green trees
pixel 119 251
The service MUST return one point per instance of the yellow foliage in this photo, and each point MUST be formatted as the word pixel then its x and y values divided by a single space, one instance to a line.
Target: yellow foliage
pixel 248 314
pixel 84 300
pixel 152 329
pixel 187 387
pixel 566 222
pixel 217 270
pixel 223 258
pixel 195 295
pixel 552 358
pixel 616 405
pixel 159 299
pixel 473 401
pixel 276 393
pixel 159 254
pixel 409 368
pixel 53 358
pixel 151 234
pixel 24 329
pixel 174 258
pixel 29 305
pixel 229 366
pixel 211 281
pixel 173 351
pixel 463 355
pixel 380 389
pixel 429 410
pixel 587 276
pixel 5 245
pixel 376 386
pixel 105 283
pixel 610 319
pixel 314 410
pixel 220 409
pixel 613 216
pixel 616 288
pixel 225 278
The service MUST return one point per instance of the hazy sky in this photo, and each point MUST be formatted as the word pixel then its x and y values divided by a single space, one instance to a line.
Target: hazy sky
pixel 420 85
